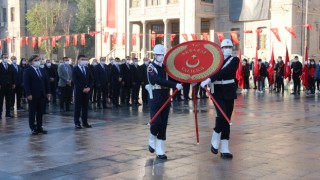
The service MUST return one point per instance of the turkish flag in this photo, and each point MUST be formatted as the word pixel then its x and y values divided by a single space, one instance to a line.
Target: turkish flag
pixel 134 39
pixel 106 35
pixel 239 73
pixel 39 41
pixel 194 37
pixel 75 39
pixel 305 73
pixel 256 73
pixel 83 39
pixel 220 36
pixel 34 42
pixel 160 35
pixel 153 40
pixel 258 31
pixel 271 69
pixel 287 69
pixel 140 35
pixel 45 37
pixel 185 36
pixel 247 31
pixel 114 38
pixel 309 26
pixel 53 41
pixel 21 42
pixel 0 44
pixel 67 41
pixel 205 36
pixel 58 37
pixel 276 33
pixel 27 40
pixel 291 31
pixel 234 37
pixel 172 36
pixel 123 39
pixel 92 33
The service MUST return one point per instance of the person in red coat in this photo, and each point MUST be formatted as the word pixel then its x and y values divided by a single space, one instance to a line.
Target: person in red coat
pixel 311 81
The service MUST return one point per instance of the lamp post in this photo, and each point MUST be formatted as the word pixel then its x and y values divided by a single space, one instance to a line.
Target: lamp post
pixel 306 30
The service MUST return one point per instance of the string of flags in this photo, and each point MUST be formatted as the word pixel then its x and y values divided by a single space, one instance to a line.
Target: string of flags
pixel 37 41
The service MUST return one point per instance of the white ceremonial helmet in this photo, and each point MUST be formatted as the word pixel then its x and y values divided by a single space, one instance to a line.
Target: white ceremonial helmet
pixel 158 49
pixel 226 42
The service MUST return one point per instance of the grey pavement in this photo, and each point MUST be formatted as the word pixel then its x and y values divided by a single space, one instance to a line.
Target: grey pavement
pixel 273 136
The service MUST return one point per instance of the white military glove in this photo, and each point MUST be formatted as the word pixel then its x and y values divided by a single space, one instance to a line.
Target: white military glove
pixel 179 86
pixel 205 82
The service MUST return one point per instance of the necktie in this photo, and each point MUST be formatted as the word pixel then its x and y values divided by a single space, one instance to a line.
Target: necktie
pixel 39 73
pixel 83 71
pixel 5 66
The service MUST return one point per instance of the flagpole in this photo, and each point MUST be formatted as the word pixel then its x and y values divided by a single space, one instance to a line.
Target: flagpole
pixel 306 29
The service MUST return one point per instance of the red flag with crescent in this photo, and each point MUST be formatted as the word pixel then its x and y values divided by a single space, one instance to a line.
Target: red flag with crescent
pixel 185 37
pixel 34 42
pixel 105 38
pixel 271 69
pixel 234 36
pixel 83 39
pixel 172 36
pixel 194 37
pixel 153 40
pixel 205 36
pixel 27 40
pixel 239 74
pixel 53 41
pixel 114 38
pixel 67 43
pixel 58 37
pixel 220 36
pixel 258 31
pixel 75 39
pixel 291 31
pixel 287 69
pixel 276 33
pixel 134 40
pixel 123 39
pixel 21 42
pixel 305 71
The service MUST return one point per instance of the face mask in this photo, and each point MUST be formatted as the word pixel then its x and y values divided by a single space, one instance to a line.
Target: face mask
pixel 112 61
pixel 14 61
pixel 94 63
pixel 227 52
pixel 128 61
pixel 312 62
pixel 136 63
pixel 160 58
pixel 83 63
pixel 66 62
pixel 116 63
pixel 5 60
pixel 295 60
pixel 42 66
pixel 146 62
pixel 36 64
pixel 48 64
pixel 24 62
pixel 103 62
pixel 122 63
pixel 243 63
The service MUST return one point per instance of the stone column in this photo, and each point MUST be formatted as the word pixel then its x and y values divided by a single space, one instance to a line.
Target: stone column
pixel 165 38
pixel 144 40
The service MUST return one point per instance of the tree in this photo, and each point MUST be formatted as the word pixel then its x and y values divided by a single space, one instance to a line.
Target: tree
pixel 42 19
pixel 85 22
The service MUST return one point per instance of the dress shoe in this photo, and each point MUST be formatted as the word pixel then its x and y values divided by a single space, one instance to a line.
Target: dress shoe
pixel 42 131
pixel 227 155
pixel 151 150
pixel 213 150
pixel 34 132
pixel 78 126
pixel 87 126
pixel 162 156
pixel 106 107
pixel 138 104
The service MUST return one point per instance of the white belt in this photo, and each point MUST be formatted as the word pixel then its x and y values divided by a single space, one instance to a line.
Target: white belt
pixel 156 86
pixel 230 81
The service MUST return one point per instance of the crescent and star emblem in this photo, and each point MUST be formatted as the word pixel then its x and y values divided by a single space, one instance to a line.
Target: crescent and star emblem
pixel 192 65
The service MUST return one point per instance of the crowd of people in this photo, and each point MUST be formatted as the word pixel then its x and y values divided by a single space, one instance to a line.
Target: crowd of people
pixel 310 69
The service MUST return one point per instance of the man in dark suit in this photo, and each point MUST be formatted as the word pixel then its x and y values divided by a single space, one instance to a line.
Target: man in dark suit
pixel 83 83
pixel 116 79
pixel 36 85
pixel 142 71
pixel 17 91
pixel 6 84
pixel 135 82
pixel 102 73
pixel 126 82
pixel 52 75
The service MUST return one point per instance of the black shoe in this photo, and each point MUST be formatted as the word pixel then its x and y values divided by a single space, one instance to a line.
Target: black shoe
pixel 293 93
pixel 213 150
pixel 9 116
pixel 34 132
pixel 78 126
pixel 151 150
pixel 87 126
pixel 138 104
pixel 227 155
pixel 128 104
pixel 42 131
pixel 106 107
pixel 162 157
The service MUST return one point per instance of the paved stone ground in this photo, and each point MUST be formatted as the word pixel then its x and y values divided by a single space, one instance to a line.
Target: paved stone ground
pixel 273 136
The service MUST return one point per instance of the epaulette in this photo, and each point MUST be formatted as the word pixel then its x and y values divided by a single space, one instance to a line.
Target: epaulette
pixel 151 69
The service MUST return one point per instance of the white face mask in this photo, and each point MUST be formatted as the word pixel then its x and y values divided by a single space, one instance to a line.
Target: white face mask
pixel 94 63
pixel 14 61
pixel 24 62
pixel 112 61
pixel 128 61
pixel 312 62
pixel 116 63
pixel 66 62
pixel 136 63
pixel 244 63
pixel 83 63
pixel 36 64
pixel 160 58
pixel 42 66
pixel 227 52
pixel 48 64
pixel 5 60
pixel 146 62
pixel 103 62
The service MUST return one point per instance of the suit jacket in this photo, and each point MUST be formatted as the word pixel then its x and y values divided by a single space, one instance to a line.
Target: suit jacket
pixel 81 80
pixel 115 74
pixel 17 74
pixel 34 85
pixel 142 73
pixel 65 74
pixel 101 73
pixel 226 91
pixel 126 74
pixel 52 73
pixel 135 74
pixel 6 75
